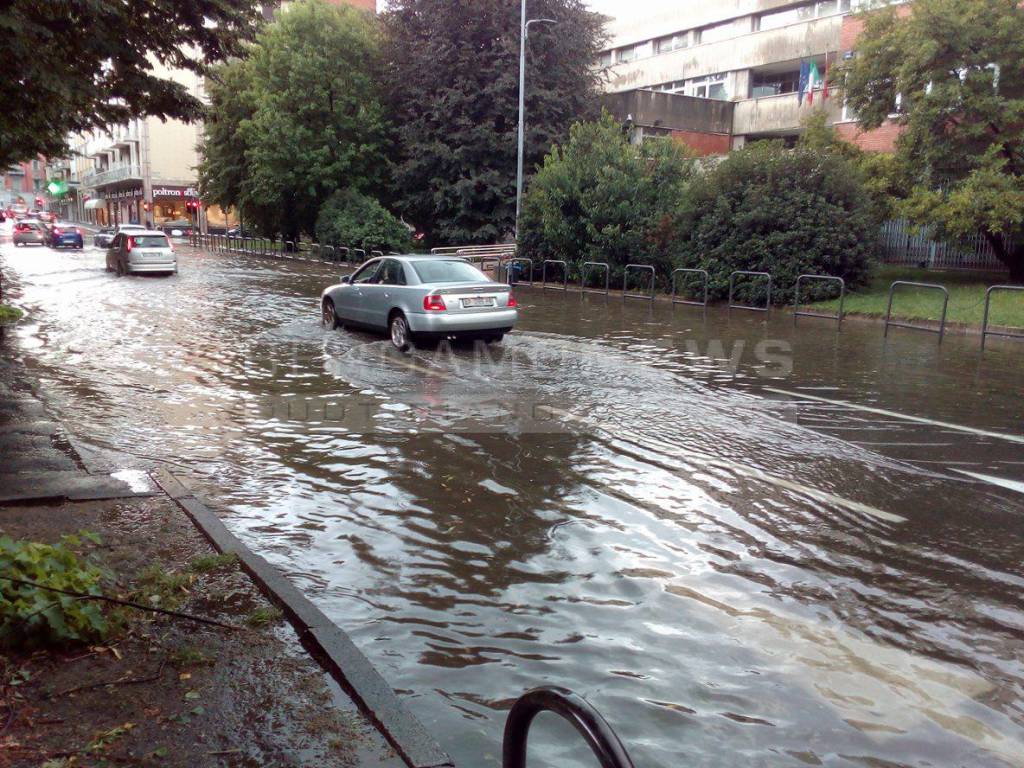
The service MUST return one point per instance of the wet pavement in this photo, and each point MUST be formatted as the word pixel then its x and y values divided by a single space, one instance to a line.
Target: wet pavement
pixel 747 543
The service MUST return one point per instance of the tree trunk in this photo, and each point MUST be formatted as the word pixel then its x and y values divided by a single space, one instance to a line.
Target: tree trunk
pixel 1012 257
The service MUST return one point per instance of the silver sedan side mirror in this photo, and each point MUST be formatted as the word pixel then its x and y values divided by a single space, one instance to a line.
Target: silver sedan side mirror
pixel 346 279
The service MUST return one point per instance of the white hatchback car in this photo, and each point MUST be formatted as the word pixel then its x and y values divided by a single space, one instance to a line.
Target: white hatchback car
pixel 145 250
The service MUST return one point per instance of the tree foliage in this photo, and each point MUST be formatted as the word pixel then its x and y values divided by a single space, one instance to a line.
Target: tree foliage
pixel 352 219
pixel 787 212
pixel 299 118
pixel 957 69
pixel 74 65
pixel 600 197
pixel 453 85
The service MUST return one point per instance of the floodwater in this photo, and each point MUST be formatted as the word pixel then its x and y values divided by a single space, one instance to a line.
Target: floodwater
pixel 638 503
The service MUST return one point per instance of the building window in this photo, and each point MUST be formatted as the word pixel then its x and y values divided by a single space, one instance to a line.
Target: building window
pixel 605 59
pixel 672 42
pixel 710 87
pixel 627 54
pixel 774 83
pixel 797 13
pixel 716 33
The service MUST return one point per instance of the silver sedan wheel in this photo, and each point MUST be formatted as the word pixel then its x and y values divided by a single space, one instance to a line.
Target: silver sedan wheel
pixel 328 318
pixel 400 333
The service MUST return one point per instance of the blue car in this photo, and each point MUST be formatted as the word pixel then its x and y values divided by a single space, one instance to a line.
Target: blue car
pixel 64 236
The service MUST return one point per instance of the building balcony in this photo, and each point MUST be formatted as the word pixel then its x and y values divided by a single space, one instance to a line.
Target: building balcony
pixel 671 111
pixel 779 114
pixel 112 175
pixel 744 51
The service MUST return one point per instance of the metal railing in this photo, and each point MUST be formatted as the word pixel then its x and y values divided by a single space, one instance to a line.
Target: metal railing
pixel 583 277
pixel 511 262
pixel 838 317
pixel 768 296
pixel 587 721
pixel 985 332
pixel 375 254
pixel 360 254
pixel 930 286
pixel 564 285
pixel 684 271
pixel 625 282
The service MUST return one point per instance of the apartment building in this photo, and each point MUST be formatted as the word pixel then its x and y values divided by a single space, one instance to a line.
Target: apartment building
pixel 23 183
pixel 717 75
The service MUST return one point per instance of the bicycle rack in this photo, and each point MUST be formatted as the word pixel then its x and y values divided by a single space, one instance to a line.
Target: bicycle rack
pixel 625 282
pixel 691 302
pixel 931 286
pixel 511 262
pixel 289 243
pixel 984 322
pixel 375 254
pixel 331 255
pixel 768 297
pixel 838 317
pixel 544 275
pixel 344 256
pixel 583 277
pixel 497 264
pixel 572 707
pixel 361 253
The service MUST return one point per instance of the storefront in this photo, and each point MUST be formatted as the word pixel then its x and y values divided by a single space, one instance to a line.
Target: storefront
pixel 170 205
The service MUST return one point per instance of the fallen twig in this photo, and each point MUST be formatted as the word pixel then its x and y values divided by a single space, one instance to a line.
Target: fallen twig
pixel 126 603
pixel 129 681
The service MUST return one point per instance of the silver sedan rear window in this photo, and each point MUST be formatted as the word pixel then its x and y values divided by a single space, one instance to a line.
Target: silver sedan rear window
pixel 448 272
pixel 149 241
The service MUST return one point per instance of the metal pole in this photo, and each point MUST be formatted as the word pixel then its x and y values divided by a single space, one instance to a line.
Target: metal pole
pixel 522 109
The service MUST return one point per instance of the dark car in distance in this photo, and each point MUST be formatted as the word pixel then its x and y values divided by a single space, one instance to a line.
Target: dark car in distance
pixel 66 236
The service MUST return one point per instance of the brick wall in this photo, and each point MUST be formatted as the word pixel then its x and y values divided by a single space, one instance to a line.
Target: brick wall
pixel 704 144
pixel 881 139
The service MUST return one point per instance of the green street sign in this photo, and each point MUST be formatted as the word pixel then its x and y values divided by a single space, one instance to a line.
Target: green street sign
pixel 57 187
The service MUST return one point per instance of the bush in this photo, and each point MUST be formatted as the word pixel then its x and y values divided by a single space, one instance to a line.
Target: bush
pixel 787 212
pixel 354 220
pixel 32 616
pixel 601 198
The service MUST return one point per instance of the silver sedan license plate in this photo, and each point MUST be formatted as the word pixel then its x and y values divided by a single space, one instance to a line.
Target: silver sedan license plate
pixel 478 301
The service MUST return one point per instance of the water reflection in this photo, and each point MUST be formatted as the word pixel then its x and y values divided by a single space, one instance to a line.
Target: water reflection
pixel 619 500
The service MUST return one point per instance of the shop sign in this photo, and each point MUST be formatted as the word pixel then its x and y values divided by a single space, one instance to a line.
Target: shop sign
pixel 175 192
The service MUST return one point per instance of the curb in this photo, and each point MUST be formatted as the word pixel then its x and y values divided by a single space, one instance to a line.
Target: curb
pixel 331 646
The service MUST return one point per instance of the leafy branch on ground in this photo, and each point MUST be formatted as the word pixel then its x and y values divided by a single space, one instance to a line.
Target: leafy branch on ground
pixel 9 314
pixel 31 615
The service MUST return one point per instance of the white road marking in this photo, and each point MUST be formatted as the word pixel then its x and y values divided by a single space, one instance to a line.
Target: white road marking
pixel 1013 485
pixel 904 416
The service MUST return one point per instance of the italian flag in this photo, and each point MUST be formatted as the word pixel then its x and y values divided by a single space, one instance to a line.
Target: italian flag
pixel 813 81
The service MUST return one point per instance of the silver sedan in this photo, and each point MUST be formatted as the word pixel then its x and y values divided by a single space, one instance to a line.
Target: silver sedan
pixel 420 300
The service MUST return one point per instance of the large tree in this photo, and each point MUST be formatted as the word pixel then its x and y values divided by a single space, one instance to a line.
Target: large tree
pixel 453 82
pixel 74 65
pixel 951 72
pixel 299 118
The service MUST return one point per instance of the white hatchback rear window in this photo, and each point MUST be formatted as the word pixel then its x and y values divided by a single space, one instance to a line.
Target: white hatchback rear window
pixel 150 241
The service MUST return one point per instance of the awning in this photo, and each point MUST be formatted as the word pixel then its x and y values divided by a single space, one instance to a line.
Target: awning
pixel 96 202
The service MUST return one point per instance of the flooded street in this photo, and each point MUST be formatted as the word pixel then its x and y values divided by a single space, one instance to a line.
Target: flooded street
pixel 721 530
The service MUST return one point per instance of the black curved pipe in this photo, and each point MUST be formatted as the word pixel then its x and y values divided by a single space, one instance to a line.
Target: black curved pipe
pixel 571 706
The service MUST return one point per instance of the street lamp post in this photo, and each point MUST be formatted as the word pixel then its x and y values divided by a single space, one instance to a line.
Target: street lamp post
pixel 524 31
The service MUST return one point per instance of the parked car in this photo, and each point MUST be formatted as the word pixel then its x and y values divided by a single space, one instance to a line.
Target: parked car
pixel 146 250
pixel 420 300
pixel 104 237
pixel 66 235
pixel 177 227
pixel 30 232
